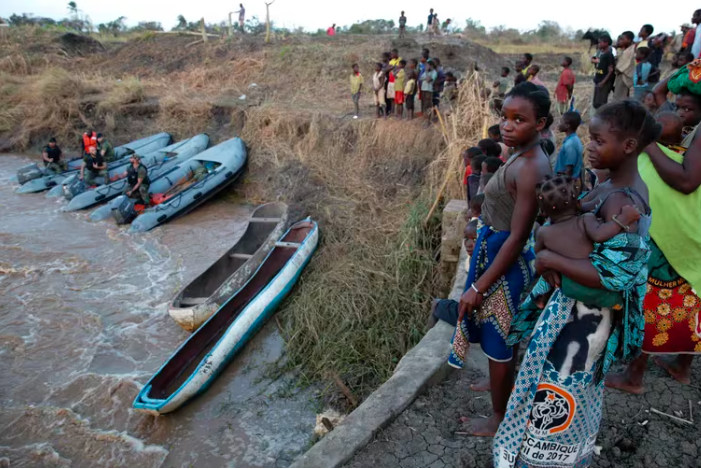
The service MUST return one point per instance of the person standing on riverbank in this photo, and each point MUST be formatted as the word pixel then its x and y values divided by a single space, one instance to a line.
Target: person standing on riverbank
pixel 502 265
pixel 625 67
pixel 672 305
pixel 429 24
pixel 356 85
pixel 242 17
pixel 556 406
pixel 402 26
pixel 603 79
pixel 565 86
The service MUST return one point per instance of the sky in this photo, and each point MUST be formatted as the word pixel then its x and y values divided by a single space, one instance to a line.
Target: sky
pixel 315 14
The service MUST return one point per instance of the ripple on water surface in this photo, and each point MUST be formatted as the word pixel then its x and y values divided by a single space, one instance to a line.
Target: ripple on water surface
pixel 83 325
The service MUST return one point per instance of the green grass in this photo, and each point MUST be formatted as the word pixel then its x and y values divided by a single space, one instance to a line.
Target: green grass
pixel 362 304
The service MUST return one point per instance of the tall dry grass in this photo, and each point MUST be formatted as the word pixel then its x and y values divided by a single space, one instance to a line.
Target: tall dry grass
pixel 364 300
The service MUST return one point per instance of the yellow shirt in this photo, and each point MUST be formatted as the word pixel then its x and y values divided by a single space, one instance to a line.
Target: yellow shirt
pixel 642 43
pixel 399 80
pixel 395 62
pixel 355 82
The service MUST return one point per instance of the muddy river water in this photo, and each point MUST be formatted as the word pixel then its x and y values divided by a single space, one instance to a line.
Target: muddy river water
pixel 83 325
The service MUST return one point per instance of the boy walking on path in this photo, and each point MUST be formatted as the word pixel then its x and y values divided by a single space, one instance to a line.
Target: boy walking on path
pixel 603 80
pixel 399 81
pixel 356 85
pixel 402 26
pixel 625 66
pixel 378 87
pixel 565 86
pixel 569 160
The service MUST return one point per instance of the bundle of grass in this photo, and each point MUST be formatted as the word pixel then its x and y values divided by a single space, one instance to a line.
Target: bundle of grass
pixel 48 104
pixel 182 113
pixel 128 91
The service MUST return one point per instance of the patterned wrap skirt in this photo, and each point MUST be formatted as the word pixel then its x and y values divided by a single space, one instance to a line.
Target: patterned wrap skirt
pixel 672 311
pixel 489 325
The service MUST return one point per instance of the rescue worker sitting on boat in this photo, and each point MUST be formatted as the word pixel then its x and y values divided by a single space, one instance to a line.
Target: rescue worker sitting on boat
pixel 93 166
pixel 52 156
pixel 88 141
pixel 137 181
pixel 105 148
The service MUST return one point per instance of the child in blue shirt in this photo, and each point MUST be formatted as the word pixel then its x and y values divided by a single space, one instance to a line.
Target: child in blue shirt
pixel 642 72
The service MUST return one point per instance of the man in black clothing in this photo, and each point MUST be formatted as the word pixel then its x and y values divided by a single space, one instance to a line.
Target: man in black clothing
pixel 52 156
pixel 603 80
pixel 93 166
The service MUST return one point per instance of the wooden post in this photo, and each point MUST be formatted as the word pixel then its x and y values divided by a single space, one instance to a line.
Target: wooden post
pixel 204 31
pixel 267 20
pixel 231 26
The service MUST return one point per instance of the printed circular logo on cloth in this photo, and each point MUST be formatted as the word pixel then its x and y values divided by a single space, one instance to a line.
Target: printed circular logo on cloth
pixel 553 410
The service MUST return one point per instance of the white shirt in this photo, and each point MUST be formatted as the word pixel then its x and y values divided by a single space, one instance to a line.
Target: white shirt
pixel 696 48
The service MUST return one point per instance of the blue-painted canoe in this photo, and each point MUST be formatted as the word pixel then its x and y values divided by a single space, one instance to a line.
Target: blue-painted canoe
pixel 198 361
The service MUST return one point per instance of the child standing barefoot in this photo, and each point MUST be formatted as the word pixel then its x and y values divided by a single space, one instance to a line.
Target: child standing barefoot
pixel 356 85
pixel 502 263
pixel 555 408
pixel 378 88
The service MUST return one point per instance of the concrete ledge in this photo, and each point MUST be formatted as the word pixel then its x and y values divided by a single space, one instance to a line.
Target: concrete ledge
pixel 424 365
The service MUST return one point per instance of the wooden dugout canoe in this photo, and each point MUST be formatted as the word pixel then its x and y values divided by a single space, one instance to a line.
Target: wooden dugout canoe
pixel 195 303
pixel 198 361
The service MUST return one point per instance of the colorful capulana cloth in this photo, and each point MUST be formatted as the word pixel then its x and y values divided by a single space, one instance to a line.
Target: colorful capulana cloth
pixel 675 226
pixel 489 325
pixel 672 310
pixel 554 411
pixel 688 77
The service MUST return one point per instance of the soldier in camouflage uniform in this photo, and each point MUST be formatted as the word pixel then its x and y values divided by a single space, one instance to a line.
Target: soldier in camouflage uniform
pixel 137 181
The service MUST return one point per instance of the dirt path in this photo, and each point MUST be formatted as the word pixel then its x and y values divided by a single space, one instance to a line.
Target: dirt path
pixel 425 434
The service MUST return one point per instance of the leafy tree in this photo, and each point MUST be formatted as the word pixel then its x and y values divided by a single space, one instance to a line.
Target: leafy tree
pixel 73 8
pixel 147 26
pixel 182 22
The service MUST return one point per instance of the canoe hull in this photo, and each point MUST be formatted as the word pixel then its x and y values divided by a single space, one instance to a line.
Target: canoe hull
pixel 192 317
pixel 244 327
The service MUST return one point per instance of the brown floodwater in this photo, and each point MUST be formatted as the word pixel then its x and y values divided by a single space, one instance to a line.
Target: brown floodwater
pixel 83 325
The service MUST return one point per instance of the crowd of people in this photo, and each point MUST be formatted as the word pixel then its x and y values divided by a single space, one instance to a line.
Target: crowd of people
pixel 585 255
pixel 398 84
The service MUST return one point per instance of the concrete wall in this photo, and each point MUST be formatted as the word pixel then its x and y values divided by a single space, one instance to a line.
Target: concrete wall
pixel 452 228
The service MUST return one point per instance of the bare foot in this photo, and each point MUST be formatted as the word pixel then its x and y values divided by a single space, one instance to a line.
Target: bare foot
pixel 481 385
pixel 622 382
pixel 681 374
pixel 483 427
